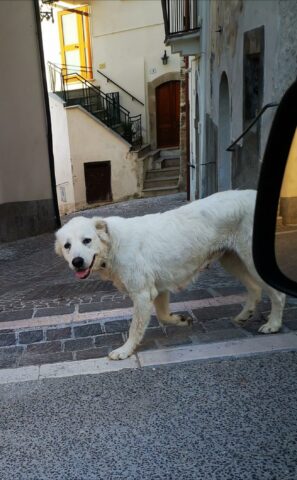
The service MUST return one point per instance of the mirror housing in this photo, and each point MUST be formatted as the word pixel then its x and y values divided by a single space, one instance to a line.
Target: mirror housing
pixel 269 188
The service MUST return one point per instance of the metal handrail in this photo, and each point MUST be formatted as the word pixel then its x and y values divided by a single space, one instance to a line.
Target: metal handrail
pixel 231 147
pixel 72 68
pixel 119 86
pixel 96 90
pixel 101 105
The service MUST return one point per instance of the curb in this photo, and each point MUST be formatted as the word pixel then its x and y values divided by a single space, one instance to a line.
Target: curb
pixel 274 343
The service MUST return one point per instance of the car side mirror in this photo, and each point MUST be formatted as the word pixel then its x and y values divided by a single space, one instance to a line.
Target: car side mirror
pixel 275 221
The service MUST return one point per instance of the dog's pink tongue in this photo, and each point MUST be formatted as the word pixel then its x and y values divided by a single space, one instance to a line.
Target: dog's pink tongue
pixel 82 273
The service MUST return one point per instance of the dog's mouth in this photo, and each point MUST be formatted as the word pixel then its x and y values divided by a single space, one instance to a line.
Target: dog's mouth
pixel 82 274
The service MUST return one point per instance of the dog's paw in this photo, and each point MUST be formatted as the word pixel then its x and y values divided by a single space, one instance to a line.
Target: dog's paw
pixel 243 316
pixel 120 353
pixel 180 320
pixel 269 328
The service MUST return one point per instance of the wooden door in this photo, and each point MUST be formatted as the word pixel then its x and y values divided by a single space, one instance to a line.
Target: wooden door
pixel 98 181
pixel 167 111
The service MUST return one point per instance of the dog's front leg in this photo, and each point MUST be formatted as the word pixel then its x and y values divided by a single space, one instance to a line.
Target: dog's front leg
pixel 142 304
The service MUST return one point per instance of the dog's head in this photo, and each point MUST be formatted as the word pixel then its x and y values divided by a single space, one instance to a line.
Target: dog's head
pixel 84 243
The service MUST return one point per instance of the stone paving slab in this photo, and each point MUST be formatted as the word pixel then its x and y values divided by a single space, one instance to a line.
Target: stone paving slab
pixel 96 338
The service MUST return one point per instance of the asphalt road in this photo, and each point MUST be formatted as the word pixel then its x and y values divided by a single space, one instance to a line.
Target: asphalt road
pixel 228 420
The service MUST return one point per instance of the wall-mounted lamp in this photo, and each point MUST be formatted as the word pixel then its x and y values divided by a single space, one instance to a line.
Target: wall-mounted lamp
pixel 165 58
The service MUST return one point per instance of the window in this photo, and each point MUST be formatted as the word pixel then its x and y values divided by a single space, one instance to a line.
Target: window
pixel 75 44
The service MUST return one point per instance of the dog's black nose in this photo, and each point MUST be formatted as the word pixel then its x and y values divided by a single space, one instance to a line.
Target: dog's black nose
pixel 78 262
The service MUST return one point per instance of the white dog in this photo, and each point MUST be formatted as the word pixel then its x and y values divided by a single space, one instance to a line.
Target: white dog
pixel 149 256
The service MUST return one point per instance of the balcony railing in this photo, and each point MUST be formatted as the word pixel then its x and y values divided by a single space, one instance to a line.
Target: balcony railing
pixel 104 106
pixel 180 17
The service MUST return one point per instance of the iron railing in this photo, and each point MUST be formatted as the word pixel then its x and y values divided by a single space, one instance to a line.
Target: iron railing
pixel 180 17
pixel 233 145
pixel 105 107
pixel 108 79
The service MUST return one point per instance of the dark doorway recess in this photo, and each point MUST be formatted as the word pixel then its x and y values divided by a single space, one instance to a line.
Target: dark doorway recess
pixel 167 112
pixel 98 181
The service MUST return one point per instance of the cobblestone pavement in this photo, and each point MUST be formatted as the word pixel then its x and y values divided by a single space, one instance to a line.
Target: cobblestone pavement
pixel 36 284
pixel 33 277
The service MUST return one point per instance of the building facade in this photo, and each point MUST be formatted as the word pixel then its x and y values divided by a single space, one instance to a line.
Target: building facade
pixel 27 195
pixel 121 101
pixel 242 62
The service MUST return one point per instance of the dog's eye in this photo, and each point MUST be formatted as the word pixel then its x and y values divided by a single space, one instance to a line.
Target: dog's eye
pixel 86 241
pixel 67 246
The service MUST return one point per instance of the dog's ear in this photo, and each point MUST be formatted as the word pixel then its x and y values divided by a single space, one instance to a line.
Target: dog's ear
pixel 100 224
pixel 58 248
pixel 102 230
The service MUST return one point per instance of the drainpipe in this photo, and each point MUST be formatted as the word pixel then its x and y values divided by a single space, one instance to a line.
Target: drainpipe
pixel 203 92
pixel 187 125
pixel 184 183
pixel 47 113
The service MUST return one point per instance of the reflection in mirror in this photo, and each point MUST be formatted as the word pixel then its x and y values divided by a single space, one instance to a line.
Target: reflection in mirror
pixel 286 225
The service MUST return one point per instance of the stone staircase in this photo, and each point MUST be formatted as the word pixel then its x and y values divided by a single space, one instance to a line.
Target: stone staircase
pixel 162 173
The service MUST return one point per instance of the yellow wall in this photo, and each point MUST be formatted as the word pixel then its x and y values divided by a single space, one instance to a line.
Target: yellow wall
pixel 289 186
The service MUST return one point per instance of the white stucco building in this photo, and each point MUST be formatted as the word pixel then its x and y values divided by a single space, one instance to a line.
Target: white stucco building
pixel 114 100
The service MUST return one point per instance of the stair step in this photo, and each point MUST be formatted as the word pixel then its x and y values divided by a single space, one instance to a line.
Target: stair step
pixel 160 182
pixel 144 150
pixel 170 162
pixel 156 191
pixel 169 152
pixel 162 172
pixel 154 154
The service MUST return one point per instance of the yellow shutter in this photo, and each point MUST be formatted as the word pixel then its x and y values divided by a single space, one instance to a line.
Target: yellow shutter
pixel 75 42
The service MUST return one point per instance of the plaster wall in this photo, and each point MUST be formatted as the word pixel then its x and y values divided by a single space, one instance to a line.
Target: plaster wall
pixel 228 23
pixel 128 41
pixel 26 196
pixel 61 147
pixel 235 18
pixel 24 160
pixel 92 141
pixel 289 186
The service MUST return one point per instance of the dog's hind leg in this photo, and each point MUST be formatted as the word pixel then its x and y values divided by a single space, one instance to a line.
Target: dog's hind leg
pixel 234 265
pixel 142 303
pixel 277 306
pixel 161 303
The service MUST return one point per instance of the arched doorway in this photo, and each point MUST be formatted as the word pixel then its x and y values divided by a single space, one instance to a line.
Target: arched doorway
pixel 224 157
pixel 167 114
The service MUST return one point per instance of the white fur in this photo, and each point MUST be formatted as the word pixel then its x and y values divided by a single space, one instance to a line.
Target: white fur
pixel 149 256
